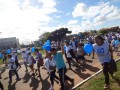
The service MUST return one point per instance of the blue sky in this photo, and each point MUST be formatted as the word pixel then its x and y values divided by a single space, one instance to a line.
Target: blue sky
pixel 24 18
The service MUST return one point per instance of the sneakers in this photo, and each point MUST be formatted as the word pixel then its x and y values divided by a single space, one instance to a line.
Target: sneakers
pixel 51 88
pixel 72 81
pixel 113 76
pixel 106 86
pixel 32 74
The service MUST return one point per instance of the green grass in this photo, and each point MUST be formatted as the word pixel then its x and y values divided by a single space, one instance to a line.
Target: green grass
pixel 19 56
pixel 97 82
pixel 42 51
pixel 1 61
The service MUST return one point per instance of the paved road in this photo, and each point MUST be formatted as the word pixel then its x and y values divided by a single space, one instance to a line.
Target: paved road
pixel 27 82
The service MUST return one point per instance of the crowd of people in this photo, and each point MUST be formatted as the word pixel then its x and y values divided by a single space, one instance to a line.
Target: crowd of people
pixel 74 54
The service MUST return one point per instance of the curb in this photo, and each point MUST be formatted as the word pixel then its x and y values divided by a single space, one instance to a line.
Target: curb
pixel 81 83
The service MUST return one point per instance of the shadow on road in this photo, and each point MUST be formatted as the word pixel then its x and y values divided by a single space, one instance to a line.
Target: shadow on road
pixel 26 77
pixel 34 83
pixel 45 83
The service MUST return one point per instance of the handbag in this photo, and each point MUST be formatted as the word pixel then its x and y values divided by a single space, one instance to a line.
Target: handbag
pixel 34 61
pixel 113 65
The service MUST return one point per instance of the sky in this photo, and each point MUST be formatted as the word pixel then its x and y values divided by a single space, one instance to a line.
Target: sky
pixel 27 19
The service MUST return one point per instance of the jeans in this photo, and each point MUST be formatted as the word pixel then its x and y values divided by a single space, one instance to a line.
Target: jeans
pixel 25 64
pixel 17 63
pixel 69 61
pixel 63 77
pixel 10 74
pixel 106 71
pixel 52 77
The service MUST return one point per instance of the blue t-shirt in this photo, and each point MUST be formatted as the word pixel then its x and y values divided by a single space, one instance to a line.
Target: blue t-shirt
pixel 59 60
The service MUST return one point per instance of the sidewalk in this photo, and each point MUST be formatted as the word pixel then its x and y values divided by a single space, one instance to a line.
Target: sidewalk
pixel 79 73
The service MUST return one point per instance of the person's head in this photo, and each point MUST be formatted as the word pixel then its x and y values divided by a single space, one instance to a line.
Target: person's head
pixel 29 53
pixel 79 44
pixel 23 51
pixel 99 40
pixel 48 54
pixel 67 43
pixel 73 39
pixel 9 56
pixel 53 51
pixel 36 51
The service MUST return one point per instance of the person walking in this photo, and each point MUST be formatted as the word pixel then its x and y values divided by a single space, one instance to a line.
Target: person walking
pixel 51 68
pixel 24 57
pixel 104 54
pixel 39 60
pixel 15 57
pixel 31 63
pixel 58 57
pixel 68 54
pixel 12 68
pixel 80 54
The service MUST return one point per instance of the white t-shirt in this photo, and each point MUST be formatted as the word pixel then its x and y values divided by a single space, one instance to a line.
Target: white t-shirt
pixel 106 39
pixel 12 65
pixel 73 45
pixel 24 56
pixel 102 52
pixel 80 51
pixel 48 63
pixel 30 61
pixel 67 51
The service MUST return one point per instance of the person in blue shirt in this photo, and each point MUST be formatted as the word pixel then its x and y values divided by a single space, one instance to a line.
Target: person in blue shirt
pixel 58 57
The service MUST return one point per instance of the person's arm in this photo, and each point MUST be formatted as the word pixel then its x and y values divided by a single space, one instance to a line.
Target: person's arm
pixel 111 51
pixel 83 51
pixel 62 48
pixel 32 60
pixel 47 66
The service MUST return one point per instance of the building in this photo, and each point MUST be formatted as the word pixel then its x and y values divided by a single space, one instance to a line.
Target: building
pixel 6 43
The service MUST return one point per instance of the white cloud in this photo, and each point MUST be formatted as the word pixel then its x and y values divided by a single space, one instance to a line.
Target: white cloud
pixel 72 22
pixel 115 14
pixel 86 12
pixel 106 14
pixel 75 29
pixel 96 15
pixel 87 24
pixel 24 19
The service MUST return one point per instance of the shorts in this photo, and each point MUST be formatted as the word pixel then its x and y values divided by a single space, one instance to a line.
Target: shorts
pixel 38 65
pixel 31 66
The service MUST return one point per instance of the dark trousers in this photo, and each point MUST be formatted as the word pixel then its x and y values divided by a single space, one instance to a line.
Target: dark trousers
pixel 106 71
pixel 63 77
pixel 52 77
pixel 17 63
pixel 10 74
pixel 1 86
pixel 4 60
pixel 69 61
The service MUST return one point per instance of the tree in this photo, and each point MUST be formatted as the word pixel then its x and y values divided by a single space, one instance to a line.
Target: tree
pixel 59 34
pixel 103 31
pixel 44 37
